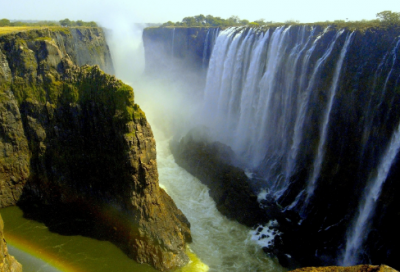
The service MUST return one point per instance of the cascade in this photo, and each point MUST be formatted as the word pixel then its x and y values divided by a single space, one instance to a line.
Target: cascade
pixel 359 230
pixel 323 133
pixel 309 112
pixel 205 49
pixel 277 96
pixel 246 96
pixel 173 42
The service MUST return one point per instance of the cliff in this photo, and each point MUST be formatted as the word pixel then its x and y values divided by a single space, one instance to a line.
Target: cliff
pixel 311 111
pixel 73 137
pixel 7 262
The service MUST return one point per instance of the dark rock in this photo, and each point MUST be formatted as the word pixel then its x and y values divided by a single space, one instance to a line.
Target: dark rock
pixel 229 185
pixel 72 139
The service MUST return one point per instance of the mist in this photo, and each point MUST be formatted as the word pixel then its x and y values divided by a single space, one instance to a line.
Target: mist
pixel 170 99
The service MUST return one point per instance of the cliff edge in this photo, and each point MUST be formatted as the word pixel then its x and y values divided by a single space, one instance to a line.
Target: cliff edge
pixel 73 137
pixel 7 262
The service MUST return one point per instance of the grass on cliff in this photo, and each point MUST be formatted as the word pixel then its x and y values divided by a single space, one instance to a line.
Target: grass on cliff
pixel 10 29
pixel 14 29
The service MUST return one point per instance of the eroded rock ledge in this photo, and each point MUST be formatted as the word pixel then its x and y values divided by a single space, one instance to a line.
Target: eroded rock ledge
pixel 72 136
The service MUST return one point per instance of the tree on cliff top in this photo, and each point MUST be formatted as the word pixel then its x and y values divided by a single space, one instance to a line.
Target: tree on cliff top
pixel 388 17
pixel 65 22
pixel 68 22
pixel 4 22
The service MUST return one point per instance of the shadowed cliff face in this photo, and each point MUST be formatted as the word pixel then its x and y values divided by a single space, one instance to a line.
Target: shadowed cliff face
pixel 73 137
pixel 313 111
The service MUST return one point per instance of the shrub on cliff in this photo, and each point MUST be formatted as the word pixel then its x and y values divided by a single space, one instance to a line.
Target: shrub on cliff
pixel 4 22
pixel 388 17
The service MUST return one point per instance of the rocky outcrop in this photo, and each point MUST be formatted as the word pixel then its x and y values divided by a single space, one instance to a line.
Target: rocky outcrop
pixel 213 164
pixel 7 262
pixel 357 268
pixel 73 137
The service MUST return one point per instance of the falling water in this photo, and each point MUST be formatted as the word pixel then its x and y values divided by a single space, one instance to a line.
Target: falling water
pixel 324 127
pixel 205 49
pixel 360 230
pixel 257 95
pixel 297 104
pixel 222 244
pixel 173 42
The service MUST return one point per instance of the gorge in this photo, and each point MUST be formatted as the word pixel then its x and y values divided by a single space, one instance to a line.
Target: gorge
pixel 309 113
pixel 75 144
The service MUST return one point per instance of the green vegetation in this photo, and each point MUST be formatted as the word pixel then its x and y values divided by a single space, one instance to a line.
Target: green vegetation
pixel 209 20
pixel 67 22
pixel 388 17
pixel 384 19
pixel 4 22
pixel 89 84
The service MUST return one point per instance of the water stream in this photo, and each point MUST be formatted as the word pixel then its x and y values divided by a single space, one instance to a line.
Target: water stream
pixel 222 244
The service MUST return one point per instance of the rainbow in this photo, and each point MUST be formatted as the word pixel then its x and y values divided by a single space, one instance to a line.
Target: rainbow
pixel 41 253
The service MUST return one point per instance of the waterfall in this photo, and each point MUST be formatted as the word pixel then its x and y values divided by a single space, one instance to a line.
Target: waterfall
pixel 324 128
pixel 359 231
pixel 308 111
pixel 173 42
pixel 257 95
pixel 205 49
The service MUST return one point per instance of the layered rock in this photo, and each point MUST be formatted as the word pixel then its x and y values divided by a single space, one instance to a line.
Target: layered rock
pixel 7 262
pixel 73 137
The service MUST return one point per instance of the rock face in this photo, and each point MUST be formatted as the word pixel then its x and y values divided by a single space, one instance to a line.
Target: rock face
pixel 316 138
pixel 7 262
pixel 357 268
pixel 73 136
pixel 212 163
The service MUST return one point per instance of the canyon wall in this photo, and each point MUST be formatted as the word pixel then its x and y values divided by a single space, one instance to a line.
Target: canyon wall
pixel 310 111
pixel 7 262
pixel 73 137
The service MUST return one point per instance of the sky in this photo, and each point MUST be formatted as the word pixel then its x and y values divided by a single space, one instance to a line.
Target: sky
pixel 159 11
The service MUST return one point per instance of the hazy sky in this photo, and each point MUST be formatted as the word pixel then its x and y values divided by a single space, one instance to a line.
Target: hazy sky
pixel 157 11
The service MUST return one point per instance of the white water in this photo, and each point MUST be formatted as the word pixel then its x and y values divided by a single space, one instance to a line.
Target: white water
pixel 302 108
pixel 257 98
pixel 360 228
pixel 324 127
pixel 222 244
pixel 173 42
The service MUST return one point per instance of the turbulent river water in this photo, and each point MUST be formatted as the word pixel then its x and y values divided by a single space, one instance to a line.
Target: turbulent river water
pixel 220 244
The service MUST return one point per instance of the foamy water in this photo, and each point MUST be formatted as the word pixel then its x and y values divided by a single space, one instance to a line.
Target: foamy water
pixel 220 243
